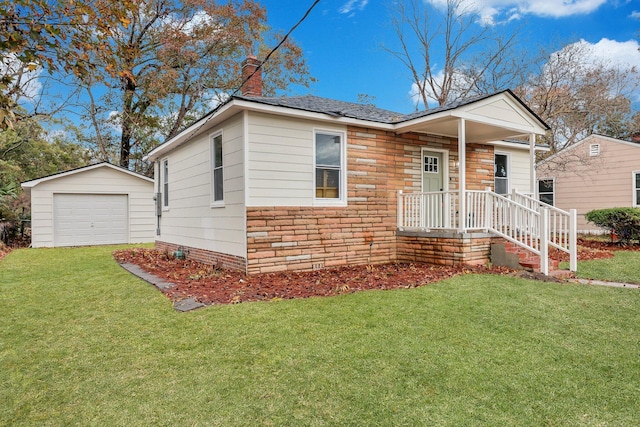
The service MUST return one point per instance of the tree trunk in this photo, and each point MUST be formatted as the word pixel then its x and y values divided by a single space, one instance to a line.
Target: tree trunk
pixel 127 124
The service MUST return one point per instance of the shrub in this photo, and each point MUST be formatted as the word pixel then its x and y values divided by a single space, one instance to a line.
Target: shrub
pixel 623 222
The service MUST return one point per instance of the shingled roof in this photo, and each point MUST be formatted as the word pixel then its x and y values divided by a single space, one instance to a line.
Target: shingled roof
pixel 331 107
pixel 336 109
pixel 352 110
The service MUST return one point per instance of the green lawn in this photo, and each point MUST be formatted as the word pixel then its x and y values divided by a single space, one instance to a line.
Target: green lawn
pixel 623 267
pixel 82 342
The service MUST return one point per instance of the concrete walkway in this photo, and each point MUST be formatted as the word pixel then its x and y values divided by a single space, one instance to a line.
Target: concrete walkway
pixel 603 283
pixel 186 304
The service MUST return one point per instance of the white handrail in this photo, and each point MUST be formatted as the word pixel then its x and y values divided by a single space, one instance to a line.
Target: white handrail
pixel 517 218
pixel 562 226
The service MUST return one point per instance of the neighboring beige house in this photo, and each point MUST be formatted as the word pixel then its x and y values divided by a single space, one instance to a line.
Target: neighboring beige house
pixel 595 173
pixel 301 183
pixel 93 205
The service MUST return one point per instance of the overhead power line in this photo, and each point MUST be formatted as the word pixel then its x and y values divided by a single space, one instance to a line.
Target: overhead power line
pixel 272 51
pixel 266 59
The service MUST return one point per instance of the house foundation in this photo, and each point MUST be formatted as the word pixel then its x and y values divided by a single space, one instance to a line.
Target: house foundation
pixel 444 248
pixel 204 256
pixel 314 249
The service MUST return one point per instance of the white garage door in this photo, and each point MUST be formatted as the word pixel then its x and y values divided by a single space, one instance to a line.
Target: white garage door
pixel 90 219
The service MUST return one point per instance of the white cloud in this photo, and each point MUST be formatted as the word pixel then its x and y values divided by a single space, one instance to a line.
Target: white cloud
pixel 635 14
pixel 352 5
pixel 620 57
pixel 493 11
pixel 614 53
pixel 460 82
pixel 27 80
pixel 610 52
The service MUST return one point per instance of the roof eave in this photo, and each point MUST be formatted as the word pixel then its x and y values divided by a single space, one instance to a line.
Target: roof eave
pixel 237 105
pixel 32 183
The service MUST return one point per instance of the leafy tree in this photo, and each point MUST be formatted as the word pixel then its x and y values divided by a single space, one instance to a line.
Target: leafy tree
pixel 28 152
pixel 175 61
pixel 52 35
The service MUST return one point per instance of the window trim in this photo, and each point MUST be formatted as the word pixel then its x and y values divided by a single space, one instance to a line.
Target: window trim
pixel 164 173
pixel 342 190
pixel 636 202
pixel 553 189
pixel 508 177
pixel 212 137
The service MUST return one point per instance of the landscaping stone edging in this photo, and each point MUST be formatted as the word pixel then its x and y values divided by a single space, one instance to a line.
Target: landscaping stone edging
pixel 186 304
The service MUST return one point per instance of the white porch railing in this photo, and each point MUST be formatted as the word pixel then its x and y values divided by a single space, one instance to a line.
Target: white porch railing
pixel 518 218
pixel 562 225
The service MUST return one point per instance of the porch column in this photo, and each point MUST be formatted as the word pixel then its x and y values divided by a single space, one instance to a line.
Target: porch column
pixel 532 165
pixel 462 174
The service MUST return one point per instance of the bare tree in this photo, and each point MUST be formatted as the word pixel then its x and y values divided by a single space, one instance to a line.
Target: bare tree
pixel 450 54
pixel 577 96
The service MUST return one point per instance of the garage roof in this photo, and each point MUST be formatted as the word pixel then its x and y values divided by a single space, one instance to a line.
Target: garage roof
pixel 28 185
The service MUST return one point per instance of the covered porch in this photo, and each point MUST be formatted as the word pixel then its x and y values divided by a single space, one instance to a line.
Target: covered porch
pixel 460 206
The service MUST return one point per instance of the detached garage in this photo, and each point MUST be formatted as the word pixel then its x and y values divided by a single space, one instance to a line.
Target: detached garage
pixel 100 204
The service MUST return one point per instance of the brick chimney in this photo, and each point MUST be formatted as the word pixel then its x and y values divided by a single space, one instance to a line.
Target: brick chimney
pixel 253 86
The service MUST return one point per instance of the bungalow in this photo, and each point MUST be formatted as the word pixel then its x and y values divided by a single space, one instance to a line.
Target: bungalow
pixel 300 183
pixel 595 173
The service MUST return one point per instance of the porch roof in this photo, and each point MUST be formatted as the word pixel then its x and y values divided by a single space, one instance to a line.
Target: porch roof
pixel 499 116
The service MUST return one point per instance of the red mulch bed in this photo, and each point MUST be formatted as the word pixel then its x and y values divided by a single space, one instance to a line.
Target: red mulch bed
pixel 4 250
pixel 216 286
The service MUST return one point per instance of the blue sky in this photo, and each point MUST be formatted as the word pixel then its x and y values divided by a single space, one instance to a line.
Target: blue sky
pixel 342 39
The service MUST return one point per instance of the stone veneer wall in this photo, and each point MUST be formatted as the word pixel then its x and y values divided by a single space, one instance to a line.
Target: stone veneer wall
pixel 446 248
pixel 379 164
pixel 480 163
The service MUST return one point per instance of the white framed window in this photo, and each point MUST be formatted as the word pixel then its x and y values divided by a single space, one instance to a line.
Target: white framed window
pixel 594 150
pixel 165 183
pixel 217 170
pixel 330 167
pixel 501 173
pixel 636 188
pixel 431 164
pixel 546 191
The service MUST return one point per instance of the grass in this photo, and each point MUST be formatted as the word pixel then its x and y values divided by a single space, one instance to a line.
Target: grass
pixel 84 343
pixel 623 267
